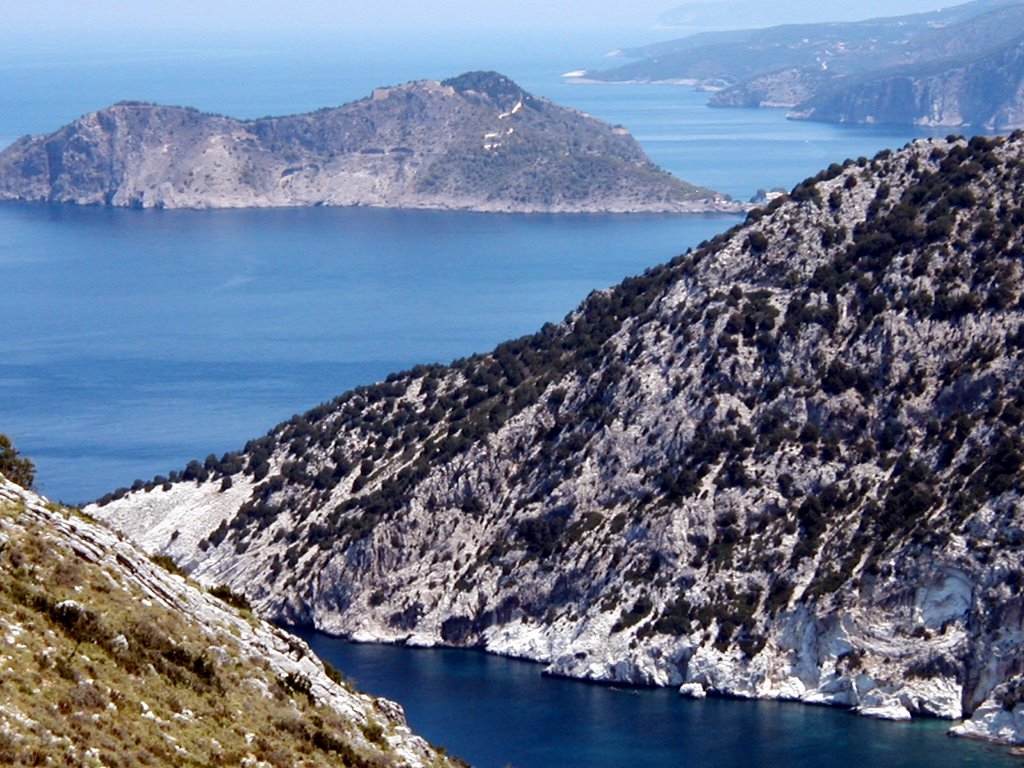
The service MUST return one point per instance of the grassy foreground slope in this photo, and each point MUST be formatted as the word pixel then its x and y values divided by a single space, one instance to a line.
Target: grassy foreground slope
pixel 110 659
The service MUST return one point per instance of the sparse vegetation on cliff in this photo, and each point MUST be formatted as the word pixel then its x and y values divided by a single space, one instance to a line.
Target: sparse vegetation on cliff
pixel 15 467
pixel 110 661
pixel 797 443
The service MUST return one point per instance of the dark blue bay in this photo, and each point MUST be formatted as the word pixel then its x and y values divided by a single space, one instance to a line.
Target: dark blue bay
pixel 495 712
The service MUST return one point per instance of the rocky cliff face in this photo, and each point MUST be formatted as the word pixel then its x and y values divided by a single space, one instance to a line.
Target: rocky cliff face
pixel 111 659
pixel 784 88
pixel 476 142
pixel 958 66
pixel 785 465
pixel 985 92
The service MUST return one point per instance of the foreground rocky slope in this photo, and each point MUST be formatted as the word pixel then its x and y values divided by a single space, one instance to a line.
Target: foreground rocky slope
pixel 476 142
pixel 955 66
pixel 785 465
pixel 110 659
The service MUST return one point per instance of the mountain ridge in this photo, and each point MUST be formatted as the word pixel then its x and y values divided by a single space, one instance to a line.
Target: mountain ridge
pixel 474 142
pixel 784 465
pixel 708 14
pixel 957 66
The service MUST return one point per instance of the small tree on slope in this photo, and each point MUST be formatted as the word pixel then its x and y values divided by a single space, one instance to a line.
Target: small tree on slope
pixel 15 468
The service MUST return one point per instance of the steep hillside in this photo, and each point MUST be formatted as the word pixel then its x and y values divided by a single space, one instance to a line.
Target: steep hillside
pixel 476 142
pixel 955 66
pixel 985 91
pixel 713 14
pixel 110 659
pixel 839 47
pixel 787 464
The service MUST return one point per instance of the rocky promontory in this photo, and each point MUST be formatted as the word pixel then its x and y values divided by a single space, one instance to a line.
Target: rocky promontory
pixel 960 65
pixel 787 465
pixel 475 142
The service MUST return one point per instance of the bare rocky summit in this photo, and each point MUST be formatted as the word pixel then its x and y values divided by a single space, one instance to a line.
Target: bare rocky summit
pixel 788 464
pixel 475 142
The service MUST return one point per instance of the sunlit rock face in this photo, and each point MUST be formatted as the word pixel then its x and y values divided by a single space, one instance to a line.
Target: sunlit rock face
pixel 784 465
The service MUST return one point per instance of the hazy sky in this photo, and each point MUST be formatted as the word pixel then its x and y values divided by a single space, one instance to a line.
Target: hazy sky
pixel 41 16
pixel 323 14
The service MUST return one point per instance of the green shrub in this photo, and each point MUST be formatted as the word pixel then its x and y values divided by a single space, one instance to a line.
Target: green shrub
pixel 232 598
pixel 634 615
pixel 167 563
pixel 14 467
pixel 757 242
pixel 294 682
pixel 374 733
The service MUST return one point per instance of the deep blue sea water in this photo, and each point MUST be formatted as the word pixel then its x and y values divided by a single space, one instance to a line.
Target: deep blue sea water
pixel 134 341
pixel 495 712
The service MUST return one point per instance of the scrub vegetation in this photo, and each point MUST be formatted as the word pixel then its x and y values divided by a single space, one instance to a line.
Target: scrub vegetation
pixel 98 670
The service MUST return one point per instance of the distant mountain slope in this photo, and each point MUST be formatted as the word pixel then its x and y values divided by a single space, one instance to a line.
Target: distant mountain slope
pixel 475 142
pixel 110 659
pixel 841 47
pixel 715 14
pixel 788 464
pixel 956 66
pixel 987 91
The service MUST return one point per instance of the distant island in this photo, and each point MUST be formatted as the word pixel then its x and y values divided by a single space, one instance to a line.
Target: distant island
pixel 959 66
pixel 475 142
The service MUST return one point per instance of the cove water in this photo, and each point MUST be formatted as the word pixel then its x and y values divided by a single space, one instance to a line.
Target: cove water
pixel 493 712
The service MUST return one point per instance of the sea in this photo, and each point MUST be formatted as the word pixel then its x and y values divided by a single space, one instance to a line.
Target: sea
pixel 134 341
pixel 495 712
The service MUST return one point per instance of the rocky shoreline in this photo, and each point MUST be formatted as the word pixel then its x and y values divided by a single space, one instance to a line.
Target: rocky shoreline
pixel 786 465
